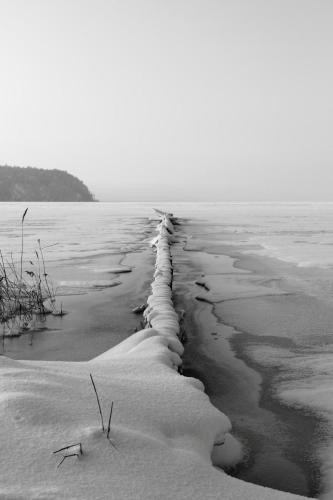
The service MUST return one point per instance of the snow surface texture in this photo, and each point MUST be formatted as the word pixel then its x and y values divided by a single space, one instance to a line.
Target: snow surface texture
pixel 165 434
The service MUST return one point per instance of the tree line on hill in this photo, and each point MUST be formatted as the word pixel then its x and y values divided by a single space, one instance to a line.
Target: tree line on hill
pixel 37 184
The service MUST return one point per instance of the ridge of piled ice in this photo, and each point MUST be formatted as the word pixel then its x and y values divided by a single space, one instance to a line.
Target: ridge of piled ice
pixel 160 313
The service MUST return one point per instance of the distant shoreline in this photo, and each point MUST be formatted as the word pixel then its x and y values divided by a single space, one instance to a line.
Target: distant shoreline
pixel 28 184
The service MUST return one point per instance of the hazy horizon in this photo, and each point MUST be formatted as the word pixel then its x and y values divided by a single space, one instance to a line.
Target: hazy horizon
pixel 184 100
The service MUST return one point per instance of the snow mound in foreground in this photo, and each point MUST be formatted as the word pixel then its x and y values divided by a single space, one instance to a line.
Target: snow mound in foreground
pixel 163 429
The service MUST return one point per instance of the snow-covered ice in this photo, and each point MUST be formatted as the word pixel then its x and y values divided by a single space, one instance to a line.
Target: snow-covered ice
pixel 166 436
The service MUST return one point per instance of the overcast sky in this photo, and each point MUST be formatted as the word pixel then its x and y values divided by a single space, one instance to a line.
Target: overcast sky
pixel 171 99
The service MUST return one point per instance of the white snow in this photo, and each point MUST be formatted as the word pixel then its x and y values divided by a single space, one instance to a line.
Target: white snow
pixel 166 436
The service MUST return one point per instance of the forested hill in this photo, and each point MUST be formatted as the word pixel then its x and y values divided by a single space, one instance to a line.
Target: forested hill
pixel 37 184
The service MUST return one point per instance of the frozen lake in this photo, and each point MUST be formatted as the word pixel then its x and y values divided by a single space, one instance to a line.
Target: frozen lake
pixel 274 296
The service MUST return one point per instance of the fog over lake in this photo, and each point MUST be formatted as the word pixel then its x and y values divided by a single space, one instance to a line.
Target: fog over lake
pixel 173 100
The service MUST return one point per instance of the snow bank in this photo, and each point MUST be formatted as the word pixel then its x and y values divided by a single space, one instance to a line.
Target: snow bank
pixel 164 430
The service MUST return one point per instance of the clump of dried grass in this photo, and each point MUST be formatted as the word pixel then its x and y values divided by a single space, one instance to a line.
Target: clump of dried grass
pixel 25 295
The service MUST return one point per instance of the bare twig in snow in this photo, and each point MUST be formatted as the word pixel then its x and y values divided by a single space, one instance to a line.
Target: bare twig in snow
pixel 72 450
pixel 70 446
pixel 66 456
pixel 98 402
pixel 109 424
pixel 22 222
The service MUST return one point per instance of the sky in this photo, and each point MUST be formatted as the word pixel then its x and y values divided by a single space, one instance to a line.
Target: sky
pixel 172 100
